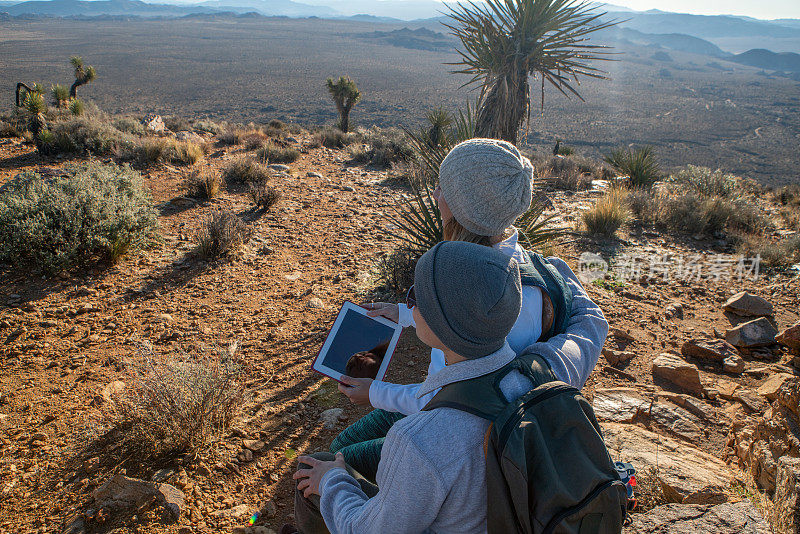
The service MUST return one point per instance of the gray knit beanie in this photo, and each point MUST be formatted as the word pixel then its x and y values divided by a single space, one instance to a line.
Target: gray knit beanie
pixel 470 295
pixel 487 185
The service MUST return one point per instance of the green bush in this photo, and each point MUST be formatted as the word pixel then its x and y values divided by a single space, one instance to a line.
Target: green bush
pixel 385 147
pixel 88 134
pixel 209 126
pixel 60 94
pixel 76 107
pixel 706 182
pixel 246 170
pixel 273 153
pixel 779 253
pixel 395 271
pixel 129 125
pixel 639 165
pixel 608 214
pixel 95 213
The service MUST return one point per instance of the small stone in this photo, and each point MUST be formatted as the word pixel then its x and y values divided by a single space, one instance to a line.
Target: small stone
pixel 712 350
pixel 311 174
pixel 255 445
pixel 315 303
pixel 751 400
pixel 679 372
pixel 165 318
pixel 269 509
pixel 236 512
pixel 615 357
pixel 748 305
pixel 727 389
pixel 278 167
pixel 330 417
pixel 756 333
pixel 674 310
pixel 790 337
pixel 619 405
pixel 773 385
pixel 245 455
pixel 733 364
pixel 621 334
pixel 113 388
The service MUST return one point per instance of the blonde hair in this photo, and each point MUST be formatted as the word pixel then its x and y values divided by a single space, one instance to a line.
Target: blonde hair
pixel 452 230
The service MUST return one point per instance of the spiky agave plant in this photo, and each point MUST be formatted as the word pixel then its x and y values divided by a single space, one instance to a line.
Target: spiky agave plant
pixel 506 41
pixel 83 75
pixel 418 221
pixel 440 121
pixel 60 95
pixel 640 165
pixel 345 95
pixel 36 107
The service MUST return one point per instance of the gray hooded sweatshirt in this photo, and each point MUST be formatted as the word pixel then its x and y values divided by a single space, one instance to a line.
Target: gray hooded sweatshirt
pixel 432 473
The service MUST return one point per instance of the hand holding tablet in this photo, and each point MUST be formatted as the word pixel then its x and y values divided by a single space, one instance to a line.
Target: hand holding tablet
pixel 358 345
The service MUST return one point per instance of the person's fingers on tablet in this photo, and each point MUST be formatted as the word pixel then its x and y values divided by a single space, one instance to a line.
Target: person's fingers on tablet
pixel 308 460
pixel 350 381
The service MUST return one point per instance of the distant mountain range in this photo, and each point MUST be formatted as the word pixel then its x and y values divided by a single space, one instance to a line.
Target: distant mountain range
pixel 71 8
pixel 766 59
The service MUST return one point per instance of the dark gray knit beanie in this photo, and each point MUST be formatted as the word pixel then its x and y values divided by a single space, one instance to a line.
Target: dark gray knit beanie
pixel 470 295
pixel 487 185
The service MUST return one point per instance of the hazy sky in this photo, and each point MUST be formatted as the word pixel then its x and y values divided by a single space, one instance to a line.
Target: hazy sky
pixel 761 9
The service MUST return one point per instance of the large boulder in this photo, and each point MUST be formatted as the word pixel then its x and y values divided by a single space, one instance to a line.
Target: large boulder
pixel 679 372
pixel 756 333
pixel 686 474
pixel 121 492
pixel 748 305
pixel 728 518
pixel 786 514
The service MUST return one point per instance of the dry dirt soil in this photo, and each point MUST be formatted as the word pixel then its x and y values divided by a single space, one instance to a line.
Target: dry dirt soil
pixel 65 339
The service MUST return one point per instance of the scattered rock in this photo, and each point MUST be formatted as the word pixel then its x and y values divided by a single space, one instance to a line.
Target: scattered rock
pixel 790 337
pixel 677 420
pixel 245 456
pixel 615 357
pixel 165 318
pixel 236 512
pixel 679 372
pixel 255 445
pixel 756 333
pixel 773 385
pixel 124 492
pixel 279 167
pixel 621 334
pixel 315 303
pixel 192 137
pixel 709 350
pixel 689 403
pixel 154 123
pixel 733 364
pixel 75 525
pixel 619 405
pixel 314 175
pixel 727 518
pixel 727 389
pixel 748 305
pixel 330 417
pixel 685 473
pixel 786 515
pixel 113 388
pixel 674 310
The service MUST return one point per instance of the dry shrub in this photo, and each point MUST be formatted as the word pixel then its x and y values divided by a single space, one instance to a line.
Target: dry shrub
pixel 173 404
pixel 568 174
pixel 263 195
pixel 273 153
pixel 8 130
pixel 395 271
pixel 255 139
pixel 648 490
pixel 204 183
pixel 221 234
pixel 163 150
pixel 778 253
pixel 608 214
pixel 330 137
pixel 246 170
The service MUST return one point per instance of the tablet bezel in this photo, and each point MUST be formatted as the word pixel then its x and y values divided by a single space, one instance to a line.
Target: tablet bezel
pixel 318 366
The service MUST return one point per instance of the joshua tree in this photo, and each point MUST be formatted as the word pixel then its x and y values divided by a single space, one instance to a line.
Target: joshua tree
pixel 60 95
pixel 82 75
pixel 345 95
pixel 506 41
pixel 36 107
pixel 20 96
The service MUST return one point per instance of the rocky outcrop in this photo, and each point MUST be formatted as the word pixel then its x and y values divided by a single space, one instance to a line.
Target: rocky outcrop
pixel 786 514
pixel 122 492
pixel 748 305
pixel 728 518
pixel 686 474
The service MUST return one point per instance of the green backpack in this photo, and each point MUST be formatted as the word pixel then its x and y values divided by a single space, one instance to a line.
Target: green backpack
pixel 547 468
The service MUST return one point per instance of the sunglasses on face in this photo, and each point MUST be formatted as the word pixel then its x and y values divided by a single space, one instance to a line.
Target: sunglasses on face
pixel 411 298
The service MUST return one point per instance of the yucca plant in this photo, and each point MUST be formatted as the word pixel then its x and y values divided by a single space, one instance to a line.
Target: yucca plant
pixel 535 229
pixel 418 221
pixel 345 95
pixel 440 121
pixel 76 107
pixel 36 107
pixel 506 41
pixel 60 95
pixel 23 90
pixel 638 164
pixel 83 75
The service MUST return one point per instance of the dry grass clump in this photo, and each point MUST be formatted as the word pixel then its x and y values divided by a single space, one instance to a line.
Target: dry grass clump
pixel 221 234
pixel 395 272
pixel 255 140
pixel 206 125
pixel 204 183
pixel 177 124
pixel 166 150
pixel 331 137
pixel 8 129
pixel 274 153
pixel 87 133
pixel 129 125
pixel 246 170
pixel 173 404
pixel 263 195
pixel 608 214
pixel 648 491
pixel 783 252
pixel 573 173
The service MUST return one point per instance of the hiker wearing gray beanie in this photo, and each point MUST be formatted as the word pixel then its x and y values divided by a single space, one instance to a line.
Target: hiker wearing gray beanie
pixel 486 184
pixel 469 296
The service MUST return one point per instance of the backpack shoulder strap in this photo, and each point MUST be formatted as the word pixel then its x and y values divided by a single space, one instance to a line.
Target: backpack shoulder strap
pixel 482 396
pixel 539 272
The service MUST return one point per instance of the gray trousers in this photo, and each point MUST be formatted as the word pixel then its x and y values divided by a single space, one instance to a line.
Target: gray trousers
pixel 306 511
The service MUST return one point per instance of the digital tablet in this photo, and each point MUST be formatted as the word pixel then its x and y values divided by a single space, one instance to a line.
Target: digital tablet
pixel 358 345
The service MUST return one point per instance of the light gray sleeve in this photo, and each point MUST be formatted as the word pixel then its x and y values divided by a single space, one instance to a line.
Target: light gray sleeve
pixel 573 355
pixel 402 504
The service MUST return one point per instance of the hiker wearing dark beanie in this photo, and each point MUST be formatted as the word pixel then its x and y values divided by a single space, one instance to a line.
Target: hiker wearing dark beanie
pixel 432 473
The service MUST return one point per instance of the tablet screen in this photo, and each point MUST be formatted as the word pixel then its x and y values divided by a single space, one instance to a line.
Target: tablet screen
pixel 358 346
